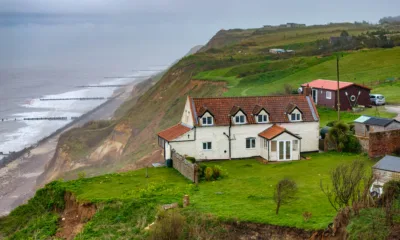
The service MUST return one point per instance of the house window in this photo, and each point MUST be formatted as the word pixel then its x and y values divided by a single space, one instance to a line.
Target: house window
pixel 328 95
pixel 240 119
pixel 295 145
pixel 295 117
pixel 262 118
pixel 250 142
pixel 265 143
pixel 207 121
pixel 273 146
pixel 207 146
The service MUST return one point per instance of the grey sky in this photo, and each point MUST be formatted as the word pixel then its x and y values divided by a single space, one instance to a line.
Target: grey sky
pixel 149 32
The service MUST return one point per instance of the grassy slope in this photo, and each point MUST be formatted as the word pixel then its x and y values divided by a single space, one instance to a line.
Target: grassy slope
pixel 247 193
pixel 128 201
pixel 360 67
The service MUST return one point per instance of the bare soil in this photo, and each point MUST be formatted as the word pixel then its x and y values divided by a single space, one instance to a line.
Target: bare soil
pixel 74 217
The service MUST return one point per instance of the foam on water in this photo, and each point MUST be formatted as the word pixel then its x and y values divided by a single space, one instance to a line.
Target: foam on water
pixel 32 131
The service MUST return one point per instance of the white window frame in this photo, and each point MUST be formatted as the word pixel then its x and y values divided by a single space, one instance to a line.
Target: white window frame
pixel 208 146
pixel 240 116
pixel 252 143
pixel 206 119
pixel 264 118
pixel 328 96
pixel 295 145
pixel 297 117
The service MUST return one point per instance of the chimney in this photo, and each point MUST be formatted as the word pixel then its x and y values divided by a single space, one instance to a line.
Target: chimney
pixel 307 90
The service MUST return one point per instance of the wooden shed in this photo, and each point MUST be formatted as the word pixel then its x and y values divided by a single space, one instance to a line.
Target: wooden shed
pixel 324 93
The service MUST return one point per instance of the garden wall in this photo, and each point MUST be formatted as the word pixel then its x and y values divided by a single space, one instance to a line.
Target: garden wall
pixel 382 143
pixel 186 168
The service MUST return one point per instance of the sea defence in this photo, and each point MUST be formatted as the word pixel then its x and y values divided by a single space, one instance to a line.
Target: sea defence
pixel 75 99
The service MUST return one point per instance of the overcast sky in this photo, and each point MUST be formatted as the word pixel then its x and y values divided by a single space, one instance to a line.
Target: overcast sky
pixel 150 32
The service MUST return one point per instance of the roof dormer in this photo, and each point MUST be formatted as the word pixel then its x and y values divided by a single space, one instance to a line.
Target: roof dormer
pixel 260 114
pixel 207 118
pixel 238 115
pixel 294 113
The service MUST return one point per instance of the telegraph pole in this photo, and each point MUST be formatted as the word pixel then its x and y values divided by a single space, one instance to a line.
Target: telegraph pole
pixel 338 90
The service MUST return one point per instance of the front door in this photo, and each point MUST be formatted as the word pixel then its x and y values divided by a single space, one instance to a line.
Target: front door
pixel 284 150
pixel 315 95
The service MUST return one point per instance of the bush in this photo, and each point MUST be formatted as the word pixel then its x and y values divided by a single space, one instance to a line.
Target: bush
pixel 202 170
pixel 331 123
pixel 352 145
pixel 169 226
pixel 191 159
pixel 217 171
pixel 209 174
pixel 369 225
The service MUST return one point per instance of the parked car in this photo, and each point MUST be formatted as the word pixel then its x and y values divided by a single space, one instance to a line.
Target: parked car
pixel 377 99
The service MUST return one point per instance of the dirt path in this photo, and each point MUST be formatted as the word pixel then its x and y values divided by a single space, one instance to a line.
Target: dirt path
pixel 394 109
pixel 18 178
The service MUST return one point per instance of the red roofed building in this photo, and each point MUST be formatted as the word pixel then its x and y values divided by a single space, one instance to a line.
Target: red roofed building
pixel 324 93
pixel 276 128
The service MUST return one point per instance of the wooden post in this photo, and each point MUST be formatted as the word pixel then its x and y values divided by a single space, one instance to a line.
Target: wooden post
pixel 147 171
pixel 338 90
pixel 186 201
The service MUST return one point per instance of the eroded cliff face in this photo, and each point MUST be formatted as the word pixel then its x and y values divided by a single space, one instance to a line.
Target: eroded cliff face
pixel 132 141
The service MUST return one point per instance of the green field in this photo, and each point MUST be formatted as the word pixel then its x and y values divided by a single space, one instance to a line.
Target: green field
pixel 360 67
pixel 244 194
pixel 328 115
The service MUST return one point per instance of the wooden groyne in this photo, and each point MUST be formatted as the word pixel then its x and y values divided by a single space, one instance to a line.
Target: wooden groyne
pixel 102 86
pixel 76 99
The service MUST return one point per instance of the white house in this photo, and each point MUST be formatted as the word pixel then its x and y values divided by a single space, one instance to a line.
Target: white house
pixel 276 128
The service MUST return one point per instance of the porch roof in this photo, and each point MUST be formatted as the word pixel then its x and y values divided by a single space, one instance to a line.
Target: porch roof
pixel 274 131
pixel 173 132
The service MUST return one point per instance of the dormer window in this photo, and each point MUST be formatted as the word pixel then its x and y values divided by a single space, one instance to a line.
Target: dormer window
pixel 262 118
pixel 207 121
pixel 295 117
pixel 240 119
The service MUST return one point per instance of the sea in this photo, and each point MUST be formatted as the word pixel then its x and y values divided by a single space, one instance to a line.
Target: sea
pixel 23 94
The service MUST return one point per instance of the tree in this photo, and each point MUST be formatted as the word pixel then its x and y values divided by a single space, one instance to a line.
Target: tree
pixel 344 33
pixel 285 191
pixel 338 134
pixel 346 182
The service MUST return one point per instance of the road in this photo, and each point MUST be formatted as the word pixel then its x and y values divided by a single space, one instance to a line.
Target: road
pixel 18 178
pixel 394 109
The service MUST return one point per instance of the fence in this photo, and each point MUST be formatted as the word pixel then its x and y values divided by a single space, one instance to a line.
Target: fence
pixel 186 168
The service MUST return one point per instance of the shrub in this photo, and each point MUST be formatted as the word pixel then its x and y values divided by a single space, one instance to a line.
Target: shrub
pixel 217 171
pixel 81 175
pixel 191 159
pixel 331 123
pixel 209 174
pixel 202 170
pixel 369 225
pixel 352 145
pixel 169 226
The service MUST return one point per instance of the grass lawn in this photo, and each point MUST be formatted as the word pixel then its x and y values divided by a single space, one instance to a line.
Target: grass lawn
pixel 327 115
pixel 247 192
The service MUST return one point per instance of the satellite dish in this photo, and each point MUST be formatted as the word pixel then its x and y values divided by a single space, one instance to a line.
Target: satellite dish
pixel 300 90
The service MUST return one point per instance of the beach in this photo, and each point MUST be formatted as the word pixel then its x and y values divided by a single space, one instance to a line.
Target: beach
pixel 18 179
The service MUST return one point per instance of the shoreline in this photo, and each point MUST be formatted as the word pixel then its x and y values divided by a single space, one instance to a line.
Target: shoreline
pixel 20 172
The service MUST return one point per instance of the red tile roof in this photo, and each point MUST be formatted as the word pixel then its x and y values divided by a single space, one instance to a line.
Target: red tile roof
pixel 272 132
pixel 330 84
pixel 173 132
pixel 221 108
